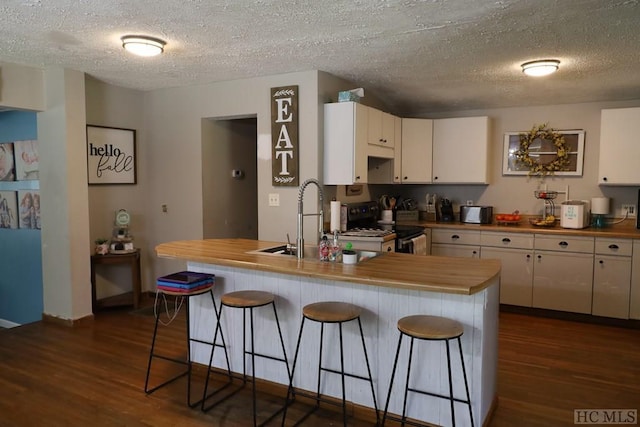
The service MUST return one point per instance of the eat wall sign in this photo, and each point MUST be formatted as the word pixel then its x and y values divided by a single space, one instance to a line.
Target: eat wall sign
pixel 284 136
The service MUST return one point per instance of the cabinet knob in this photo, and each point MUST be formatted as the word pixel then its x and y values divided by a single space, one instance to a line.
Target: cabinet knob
pixel 455 237
pixel 563 244
pixel 435 178
pixel 539 256
pixel 604 178
pixel 506 240
pixel 389 249
pixel 528 256
pixel 406 177
pixel 357 178
pixel 474 252
pixel 613 246
pixel 601 262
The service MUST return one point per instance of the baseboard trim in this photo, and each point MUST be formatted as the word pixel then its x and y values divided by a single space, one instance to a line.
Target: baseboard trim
pixel 492 411
pixel 48 318
pixel 576 317
pixel 7 324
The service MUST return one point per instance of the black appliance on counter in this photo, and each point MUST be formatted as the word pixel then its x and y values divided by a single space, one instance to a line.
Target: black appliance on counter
pixel 446 210
pixel 362 221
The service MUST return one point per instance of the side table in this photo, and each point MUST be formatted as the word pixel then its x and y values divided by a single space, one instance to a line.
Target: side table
pixel 133 259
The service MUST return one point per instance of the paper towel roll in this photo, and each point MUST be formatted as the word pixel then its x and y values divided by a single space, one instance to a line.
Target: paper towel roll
pixel 600 205
pixel 335 216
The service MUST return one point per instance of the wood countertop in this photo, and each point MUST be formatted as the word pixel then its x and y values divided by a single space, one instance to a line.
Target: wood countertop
pixel 394 270
pixel 625 230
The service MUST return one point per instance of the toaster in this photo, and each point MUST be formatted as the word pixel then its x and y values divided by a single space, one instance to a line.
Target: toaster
pixel 476 214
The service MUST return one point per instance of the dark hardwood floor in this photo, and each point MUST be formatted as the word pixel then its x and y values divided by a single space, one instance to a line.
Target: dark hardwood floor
pixel 93 374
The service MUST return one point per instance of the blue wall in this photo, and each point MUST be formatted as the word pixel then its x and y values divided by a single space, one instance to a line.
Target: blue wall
pixel 20 250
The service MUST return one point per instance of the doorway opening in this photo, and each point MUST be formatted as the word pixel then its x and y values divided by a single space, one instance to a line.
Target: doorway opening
pixel 230 178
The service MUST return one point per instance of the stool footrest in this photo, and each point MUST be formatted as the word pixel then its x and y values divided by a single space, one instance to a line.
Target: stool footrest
pixel 170 380
pixel 265 356
pixel 333 371
pixel 428 393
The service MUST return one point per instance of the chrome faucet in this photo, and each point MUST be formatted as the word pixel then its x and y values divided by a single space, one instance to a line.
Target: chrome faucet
pixel 300 239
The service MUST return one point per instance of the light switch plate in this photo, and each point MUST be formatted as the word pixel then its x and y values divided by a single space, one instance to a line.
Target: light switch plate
pixel 274 199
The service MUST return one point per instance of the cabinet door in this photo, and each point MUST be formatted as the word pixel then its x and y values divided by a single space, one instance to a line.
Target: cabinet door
pixel 516 277
pixel 381 128
pixel 397 153
pixel 345 143
pixel 611 286
pixel 634 304
pixel 619 148
pixel 417 145
pixel 461 150
pixel 458 251
pixel 563 281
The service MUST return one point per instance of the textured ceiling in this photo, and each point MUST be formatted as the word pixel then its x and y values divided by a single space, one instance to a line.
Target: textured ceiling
pixel 419 56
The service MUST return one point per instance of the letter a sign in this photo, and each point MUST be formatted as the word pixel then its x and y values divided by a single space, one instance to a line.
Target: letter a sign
pixel 284 135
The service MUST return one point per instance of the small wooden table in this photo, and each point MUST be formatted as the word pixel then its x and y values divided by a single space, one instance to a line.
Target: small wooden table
pixel 133 259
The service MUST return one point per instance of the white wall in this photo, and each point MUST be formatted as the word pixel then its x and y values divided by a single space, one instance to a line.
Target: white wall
pixel 21 87
pixel 64 200
pixel 118 107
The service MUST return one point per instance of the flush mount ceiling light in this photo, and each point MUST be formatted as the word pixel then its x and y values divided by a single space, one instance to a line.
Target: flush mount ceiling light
pixel 540 68
pixel 143 45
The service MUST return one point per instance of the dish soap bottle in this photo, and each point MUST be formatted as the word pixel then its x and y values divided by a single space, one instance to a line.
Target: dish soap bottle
pixel 323 248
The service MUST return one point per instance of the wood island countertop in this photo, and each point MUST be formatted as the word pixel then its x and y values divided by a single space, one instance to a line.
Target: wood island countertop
pixel 463 276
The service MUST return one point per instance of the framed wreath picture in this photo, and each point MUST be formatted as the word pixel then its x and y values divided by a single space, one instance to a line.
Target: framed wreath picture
pixel 542 151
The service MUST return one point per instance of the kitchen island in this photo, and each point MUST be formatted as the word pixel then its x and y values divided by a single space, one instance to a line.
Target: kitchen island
pixel 387 287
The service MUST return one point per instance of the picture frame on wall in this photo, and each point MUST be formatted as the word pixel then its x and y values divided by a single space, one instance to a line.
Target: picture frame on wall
pixel 544 152
pixel 7 162
pixel 111 155
pixel 29 209
pixel 26 160
pixel 8 209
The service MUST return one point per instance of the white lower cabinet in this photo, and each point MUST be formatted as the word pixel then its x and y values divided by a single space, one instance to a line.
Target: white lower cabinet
pixel 563 281
pixel 612 278
pixel 455 243
pixel 634 303
pixel 563 273
pixel 515 252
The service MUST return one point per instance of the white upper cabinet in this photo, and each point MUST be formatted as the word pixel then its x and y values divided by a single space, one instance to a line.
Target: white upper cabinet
pixel 345 143
pixel 461 150
pixel 397 157
pixel 416 147
pixel 381 128
pixel 619 146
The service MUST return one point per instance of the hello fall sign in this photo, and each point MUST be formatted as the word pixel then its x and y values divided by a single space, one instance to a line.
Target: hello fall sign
pixel 284 136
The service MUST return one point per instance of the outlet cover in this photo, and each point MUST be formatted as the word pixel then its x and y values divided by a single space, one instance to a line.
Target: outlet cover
pixel 274 199
pixel 630 210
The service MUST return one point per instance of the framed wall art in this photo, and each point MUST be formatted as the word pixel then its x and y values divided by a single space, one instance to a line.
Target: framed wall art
pixel 29 209
pixel 544 155
pixel 26 159
pixel 7 163
pixel 8 209
pixel 111 155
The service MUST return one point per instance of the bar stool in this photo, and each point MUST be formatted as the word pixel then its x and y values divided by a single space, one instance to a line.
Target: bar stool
pixel 428 328
pixel 249 300
pixel 183 296
pixel 331 312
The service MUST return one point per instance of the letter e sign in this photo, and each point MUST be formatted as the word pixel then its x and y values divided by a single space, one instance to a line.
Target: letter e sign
pixel 284 136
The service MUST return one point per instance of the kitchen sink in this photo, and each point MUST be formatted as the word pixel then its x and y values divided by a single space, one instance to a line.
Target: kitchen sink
pixel 277 250
pixel 310 252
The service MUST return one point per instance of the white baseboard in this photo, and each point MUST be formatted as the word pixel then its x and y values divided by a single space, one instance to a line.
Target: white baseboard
pixel 7 324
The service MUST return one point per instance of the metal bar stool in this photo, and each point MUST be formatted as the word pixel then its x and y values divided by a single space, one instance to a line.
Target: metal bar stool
pixel 183 297
pixel 249 300
pixel 331 312
pixel 428 328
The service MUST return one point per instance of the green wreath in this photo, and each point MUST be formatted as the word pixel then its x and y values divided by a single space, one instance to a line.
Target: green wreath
pixel 561 161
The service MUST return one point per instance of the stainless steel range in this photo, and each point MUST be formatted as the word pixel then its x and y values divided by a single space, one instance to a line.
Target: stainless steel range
pixel 364 231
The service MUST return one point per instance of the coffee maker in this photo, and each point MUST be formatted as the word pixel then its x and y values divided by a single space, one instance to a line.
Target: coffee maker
pixel 445 210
